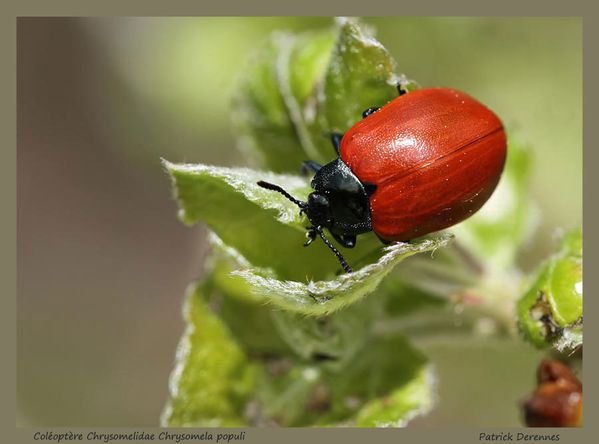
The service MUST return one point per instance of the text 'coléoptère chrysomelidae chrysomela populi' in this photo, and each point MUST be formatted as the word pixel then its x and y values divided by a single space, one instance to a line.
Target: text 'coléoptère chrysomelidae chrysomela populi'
pixel 425 161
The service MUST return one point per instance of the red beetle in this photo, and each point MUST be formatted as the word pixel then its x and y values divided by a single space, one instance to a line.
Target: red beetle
pixel 424 162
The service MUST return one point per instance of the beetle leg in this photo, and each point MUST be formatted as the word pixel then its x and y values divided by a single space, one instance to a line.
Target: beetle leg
pixel 309 165
pixel 336 141
pixel 321 357
pixel 384 241
pixel 336 252
pixel 348 241
pixel 369 188
pixel 400 89
pixel 311 235
pixel 369 111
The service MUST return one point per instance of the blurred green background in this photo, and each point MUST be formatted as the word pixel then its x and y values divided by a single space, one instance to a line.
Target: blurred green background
pixel 103 261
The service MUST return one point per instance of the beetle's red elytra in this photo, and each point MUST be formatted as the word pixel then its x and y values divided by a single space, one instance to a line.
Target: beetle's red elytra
pixel 423 162
pixel 435 156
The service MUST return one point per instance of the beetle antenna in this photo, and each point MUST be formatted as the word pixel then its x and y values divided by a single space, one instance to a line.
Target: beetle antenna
pixel 337 253
pixel 278 189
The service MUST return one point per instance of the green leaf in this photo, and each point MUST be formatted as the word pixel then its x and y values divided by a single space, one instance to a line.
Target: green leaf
pixel 443 275
pixel 268 109
pixel 212 378
pixel 250 323
pixel 286 391
pixel 324 297
pixel 415 398
pixel 262 225
pixel 335 338
pixel 297 89
pixel 308 59
pixel 389 384
pixel 203 190
pixel 404 299
pixel 572 243
pixel 260 116
pixel 550 312
pixel 376 389
pixel 569 340
pixel 497 231
pixel 360 75
pixel 214 384
pixel 301 64
pixel 566 290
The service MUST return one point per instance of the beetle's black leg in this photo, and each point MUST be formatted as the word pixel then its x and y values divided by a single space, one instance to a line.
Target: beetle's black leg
pixel 369 111
pixel 348 241
pixel 310 165
pixel 311 235
pixel 370 188
pixel 400 89
pixel 384 241
pixel 321 357
pixel 336 140
pixel 336 252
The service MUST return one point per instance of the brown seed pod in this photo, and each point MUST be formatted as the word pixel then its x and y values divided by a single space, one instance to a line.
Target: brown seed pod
pixel 553 371
pixel 557 401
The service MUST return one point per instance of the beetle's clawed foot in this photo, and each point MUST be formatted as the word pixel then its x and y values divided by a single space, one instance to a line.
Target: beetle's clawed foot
pixel 369 111
pixel 311 235
pixel 400 89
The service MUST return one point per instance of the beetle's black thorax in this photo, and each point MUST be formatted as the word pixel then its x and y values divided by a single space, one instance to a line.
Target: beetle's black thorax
pixel 339 201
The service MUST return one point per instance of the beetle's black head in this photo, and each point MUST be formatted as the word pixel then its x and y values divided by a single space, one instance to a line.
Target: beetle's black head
pixel 318 210
pixel 340 203
pixel 347 211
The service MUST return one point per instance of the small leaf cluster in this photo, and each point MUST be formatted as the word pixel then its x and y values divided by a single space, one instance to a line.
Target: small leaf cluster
pixel 550 312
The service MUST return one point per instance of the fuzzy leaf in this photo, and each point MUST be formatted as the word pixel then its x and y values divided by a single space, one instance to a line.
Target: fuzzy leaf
pixel 379 389
pixel 299 81
pixel 203 190
pixel 297 89
pixel 324 297
pixel 404 300
pixel 250 323
pixel 550 312
pixel 284 393
pixel 260 116
pixel 262 225
pixel 212 378
pixel 268 110
pixel 572 243
pixel 336 338
pixel 382 388
pixel 415 398
pixel 360 75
